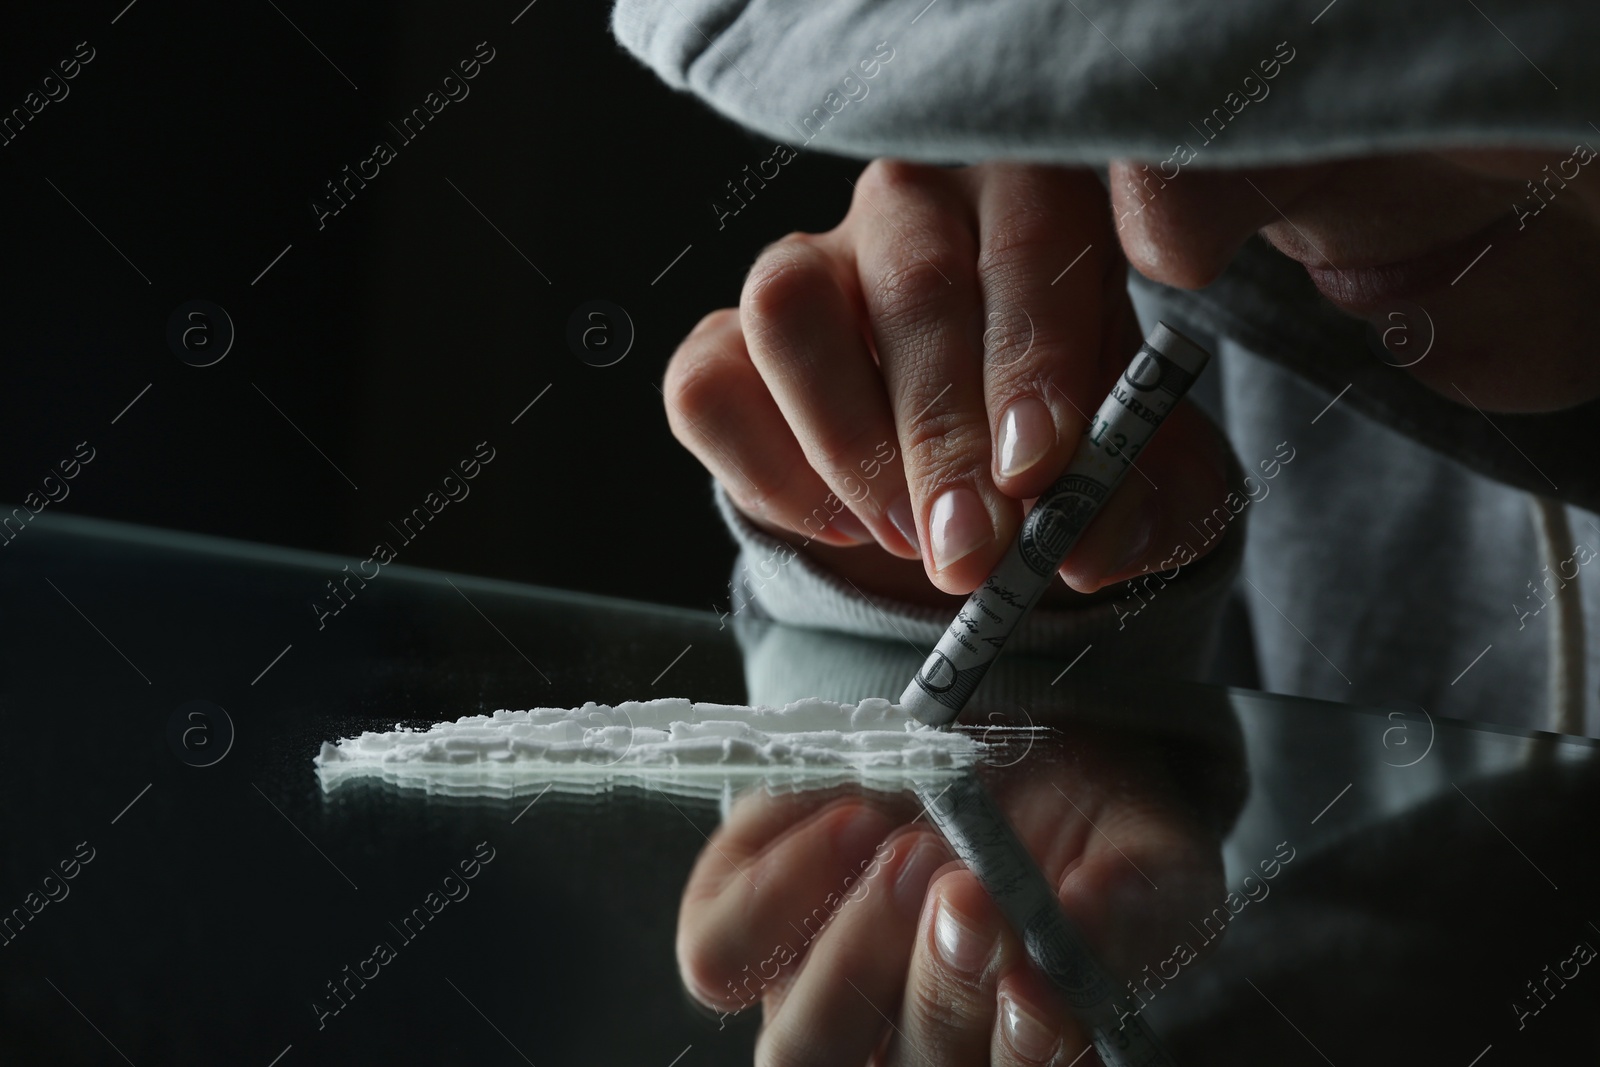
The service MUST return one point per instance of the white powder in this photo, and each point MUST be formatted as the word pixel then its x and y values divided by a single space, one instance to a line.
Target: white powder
pixel 670 743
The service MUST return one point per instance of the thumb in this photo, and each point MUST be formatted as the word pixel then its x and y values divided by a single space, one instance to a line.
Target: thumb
pixel 1173 507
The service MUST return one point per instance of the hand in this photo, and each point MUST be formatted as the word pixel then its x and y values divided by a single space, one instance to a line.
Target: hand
pixel 862 940
pixel 909 378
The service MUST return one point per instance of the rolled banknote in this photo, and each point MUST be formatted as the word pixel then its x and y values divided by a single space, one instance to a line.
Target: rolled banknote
pixel 1163 369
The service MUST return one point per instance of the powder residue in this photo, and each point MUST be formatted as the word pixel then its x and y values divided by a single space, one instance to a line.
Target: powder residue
pixel 649 741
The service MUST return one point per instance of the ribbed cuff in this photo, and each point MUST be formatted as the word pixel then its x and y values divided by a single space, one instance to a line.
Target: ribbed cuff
pixel 1165 626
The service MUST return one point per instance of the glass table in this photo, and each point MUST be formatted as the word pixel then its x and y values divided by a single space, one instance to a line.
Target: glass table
pixel 179 888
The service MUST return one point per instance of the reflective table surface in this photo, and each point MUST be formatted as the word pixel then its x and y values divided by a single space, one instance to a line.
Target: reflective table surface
pixel 1352 885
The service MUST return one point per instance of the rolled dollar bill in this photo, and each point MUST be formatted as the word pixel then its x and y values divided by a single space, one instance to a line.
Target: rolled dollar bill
pixel 1163 369
pixel 968 817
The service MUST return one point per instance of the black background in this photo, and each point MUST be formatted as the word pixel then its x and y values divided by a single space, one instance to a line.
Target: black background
pixel 404 331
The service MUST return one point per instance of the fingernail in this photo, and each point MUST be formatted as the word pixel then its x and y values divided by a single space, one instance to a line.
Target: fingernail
pixel 858 835
pixel 911 884
pixel 902 519
pixel 846 524
pixel 959 526
pixel 1029 1036
pixel 964 949
pixel 1027 432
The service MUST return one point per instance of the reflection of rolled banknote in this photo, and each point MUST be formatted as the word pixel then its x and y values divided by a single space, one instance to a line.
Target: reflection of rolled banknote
pixel 972 822
pixel 1161 372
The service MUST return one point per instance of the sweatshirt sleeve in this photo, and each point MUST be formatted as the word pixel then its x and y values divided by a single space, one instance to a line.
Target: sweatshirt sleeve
pixel 1166 624
pixel 1082 81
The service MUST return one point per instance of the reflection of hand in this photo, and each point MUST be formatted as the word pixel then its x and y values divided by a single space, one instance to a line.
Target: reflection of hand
pixel 910 376
pixel 912 962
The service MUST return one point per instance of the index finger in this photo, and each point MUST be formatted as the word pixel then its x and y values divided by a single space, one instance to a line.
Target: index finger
pixel 1056 312
pixel 753 880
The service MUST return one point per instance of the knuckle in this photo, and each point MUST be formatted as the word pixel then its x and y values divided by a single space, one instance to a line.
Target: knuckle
pixel 941 1007
pixel 705 393
pixel 839 450
pixel 891 177
pixel 1018 338
pixel 1019 369
pixel 694 387
pixel 781 283
pixel 940 448
pixel 1017 349
pixel 1040 353
pixel 1016 242
pixel 905 293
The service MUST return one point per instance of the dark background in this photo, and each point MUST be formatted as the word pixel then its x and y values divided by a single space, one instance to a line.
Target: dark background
pixel 406 330
pixel 227 887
